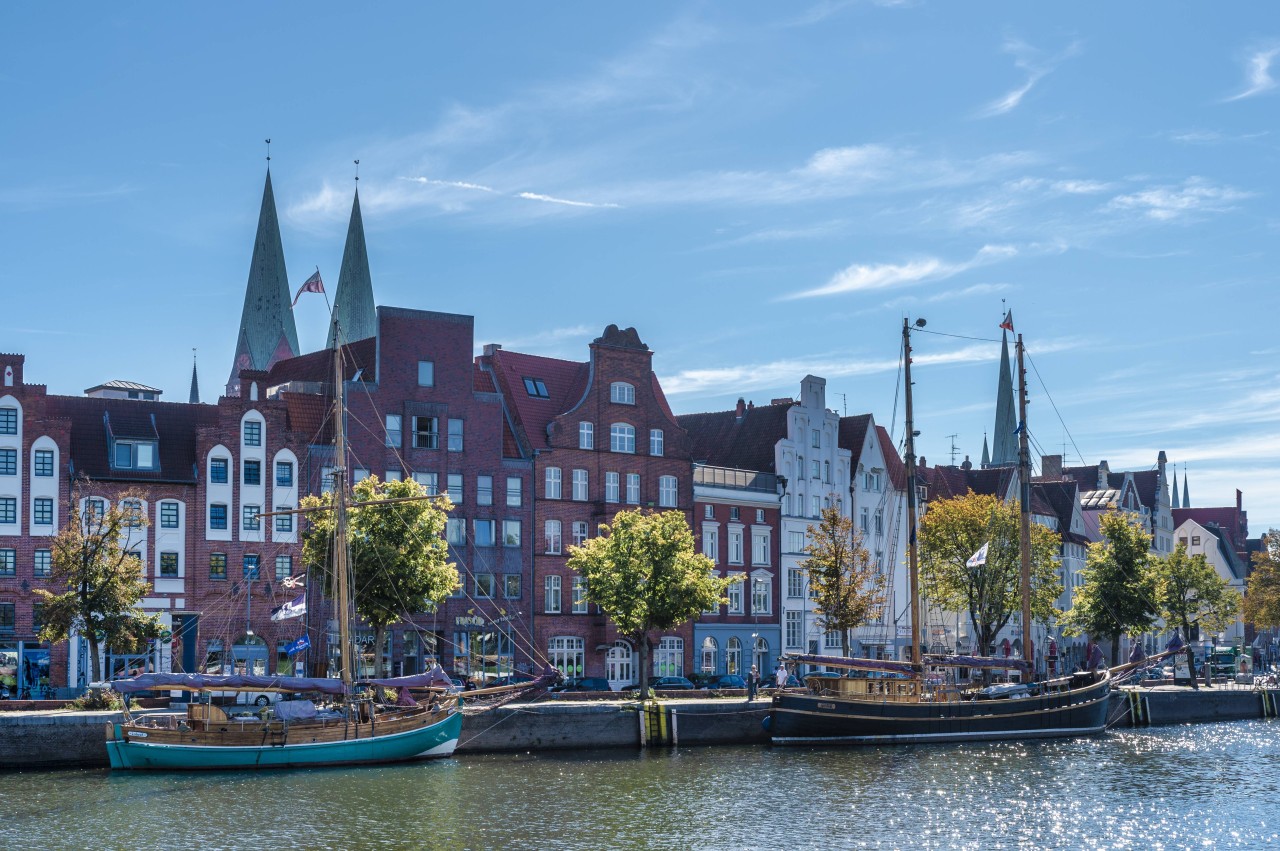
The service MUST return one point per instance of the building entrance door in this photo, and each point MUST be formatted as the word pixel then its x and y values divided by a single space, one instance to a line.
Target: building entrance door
pixel 620 666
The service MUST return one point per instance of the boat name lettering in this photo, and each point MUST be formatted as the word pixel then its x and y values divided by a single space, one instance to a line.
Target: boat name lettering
pixel 826 706
pixel 137 734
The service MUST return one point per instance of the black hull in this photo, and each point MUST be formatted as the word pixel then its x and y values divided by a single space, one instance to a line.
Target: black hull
pixel 806 719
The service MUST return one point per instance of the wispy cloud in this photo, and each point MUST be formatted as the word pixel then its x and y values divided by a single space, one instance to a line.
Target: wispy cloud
pixel 456 184
pixel 1037 67
pixel 863 277
pixel 1258 74
pixel 534 196
pixel 1213 137
pixel 826 9
pixel 1165 203
pixel 553 339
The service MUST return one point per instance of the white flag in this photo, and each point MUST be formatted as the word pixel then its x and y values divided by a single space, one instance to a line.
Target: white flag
pixel 292 609
pixel 979 558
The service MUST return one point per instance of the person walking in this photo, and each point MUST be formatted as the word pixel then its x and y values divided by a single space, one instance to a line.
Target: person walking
pixel 753 683
pixel 781 676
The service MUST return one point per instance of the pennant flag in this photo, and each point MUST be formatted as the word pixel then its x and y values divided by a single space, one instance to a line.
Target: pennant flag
pixel 311 285
pixel 979 558
pixel 294 609
pixel 1007 324
pixel 298 581
pixel 297 646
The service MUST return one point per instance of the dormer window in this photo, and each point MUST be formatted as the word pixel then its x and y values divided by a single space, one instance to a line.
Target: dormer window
pixel 536 388
pixel 622 393
pixel 134 455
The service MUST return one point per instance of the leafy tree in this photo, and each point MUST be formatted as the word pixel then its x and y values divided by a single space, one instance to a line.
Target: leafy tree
pixel 1190 593
pixel 1117 596
pixel 399 558
pixel 644 575
pixel 844 580
pixel 92 559
pixel 952 531
pixel 1262 597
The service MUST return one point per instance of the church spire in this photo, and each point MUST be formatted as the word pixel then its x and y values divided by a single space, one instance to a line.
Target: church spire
pixel 267 332
pixel 1186 495
pixel 1004 450
pixel 195 383
pixel 986 455
pixel 1175 487
pixel 353 304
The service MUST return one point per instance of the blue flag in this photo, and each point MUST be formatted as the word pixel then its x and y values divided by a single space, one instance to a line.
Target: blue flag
pixel 297 646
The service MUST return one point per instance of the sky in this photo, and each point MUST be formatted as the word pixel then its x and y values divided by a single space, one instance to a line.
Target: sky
pixel 762 190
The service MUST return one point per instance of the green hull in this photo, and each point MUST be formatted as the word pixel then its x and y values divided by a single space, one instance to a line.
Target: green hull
pixel 437 740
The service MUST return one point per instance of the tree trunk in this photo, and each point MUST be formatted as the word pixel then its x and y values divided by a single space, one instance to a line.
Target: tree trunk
pixel 644 665
pixel 844 643
pixel 95 667
pixel 1115 649
pixel 1191 656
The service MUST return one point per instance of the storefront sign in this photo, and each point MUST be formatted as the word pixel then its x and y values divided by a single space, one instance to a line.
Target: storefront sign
pixel 468 620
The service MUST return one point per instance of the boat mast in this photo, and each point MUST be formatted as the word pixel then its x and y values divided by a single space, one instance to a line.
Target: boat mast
pixel 913 566
pixel 1024 519
pixel 342 593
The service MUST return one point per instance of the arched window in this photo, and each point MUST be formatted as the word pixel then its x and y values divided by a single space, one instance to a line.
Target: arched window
pixel 622 438
pixel 622 393
pixel 760 654
pixel 710 650
pixel 733 657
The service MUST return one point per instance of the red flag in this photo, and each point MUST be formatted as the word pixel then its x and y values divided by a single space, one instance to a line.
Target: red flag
pixel 311 285
pixel 1007 324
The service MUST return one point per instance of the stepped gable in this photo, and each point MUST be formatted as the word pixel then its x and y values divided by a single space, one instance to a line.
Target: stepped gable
pixel 892 460
pixel 744 439
pixel 94 421
pixel 564 380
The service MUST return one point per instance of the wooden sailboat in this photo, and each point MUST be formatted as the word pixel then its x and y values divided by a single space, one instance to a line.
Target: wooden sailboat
pixel 888 702
pixel 350 726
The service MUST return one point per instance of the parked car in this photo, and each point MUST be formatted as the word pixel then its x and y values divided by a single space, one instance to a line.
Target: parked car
pixel 725 681
pixel 584 684
pixel 671 684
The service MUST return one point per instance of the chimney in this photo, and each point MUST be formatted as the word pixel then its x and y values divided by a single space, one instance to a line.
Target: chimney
pixel 1051 467
pixel 490 348
pixel 741 410
pixel 967 465
pixel 751 406
pixel 1104 474
pixel 1239 501
pixel 923 463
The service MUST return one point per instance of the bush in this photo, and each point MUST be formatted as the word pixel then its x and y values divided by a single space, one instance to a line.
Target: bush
pixel 100 700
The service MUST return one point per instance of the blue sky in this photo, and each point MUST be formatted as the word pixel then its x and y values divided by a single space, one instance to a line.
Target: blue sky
pixel 764 190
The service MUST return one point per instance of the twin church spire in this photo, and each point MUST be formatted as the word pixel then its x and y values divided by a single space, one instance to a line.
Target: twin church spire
pixel 267 331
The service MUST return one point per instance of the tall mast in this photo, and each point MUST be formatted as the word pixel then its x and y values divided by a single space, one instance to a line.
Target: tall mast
pixel 1024 519
pixel 913 567
pixel 340 552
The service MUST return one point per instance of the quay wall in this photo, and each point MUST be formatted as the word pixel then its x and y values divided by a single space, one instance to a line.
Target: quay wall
pixel 58 739
pixel 1146 707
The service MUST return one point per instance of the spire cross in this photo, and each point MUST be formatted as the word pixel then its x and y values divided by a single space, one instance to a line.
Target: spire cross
pixel 268 150
pixel 357 171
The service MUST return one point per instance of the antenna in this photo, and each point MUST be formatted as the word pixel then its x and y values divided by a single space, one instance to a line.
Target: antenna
pixel 954 450
pixel 844 397
pixel 357 171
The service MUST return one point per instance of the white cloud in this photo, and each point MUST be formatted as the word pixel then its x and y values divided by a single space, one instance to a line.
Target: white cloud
pixel 1259 77
pixel 860 277
pixel 456 184
pixel 533 196
pixel 1164 203
pixel 1028 59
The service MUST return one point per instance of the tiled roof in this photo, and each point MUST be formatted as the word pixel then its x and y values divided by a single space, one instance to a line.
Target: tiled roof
pixel 482 382
pixel 565 382
pixel 950 481
pixel 1226 518
pixel 892 460
pixel 724 440
pixel 318 366
pixel 1147 482
pixel 853 436
pixel 1087 476
pixel 310 415
pixel 1061 498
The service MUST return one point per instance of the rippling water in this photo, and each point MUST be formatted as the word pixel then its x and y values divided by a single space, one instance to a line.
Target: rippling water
pixel 1206 786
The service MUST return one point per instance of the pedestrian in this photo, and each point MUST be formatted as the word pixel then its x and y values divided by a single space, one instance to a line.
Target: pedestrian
pixel 781 676
pixel 1092 657
pixel 753 683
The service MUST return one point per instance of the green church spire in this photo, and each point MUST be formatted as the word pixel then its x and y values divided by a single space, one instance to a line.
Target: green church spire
pixel 1004 449
pixel 353 304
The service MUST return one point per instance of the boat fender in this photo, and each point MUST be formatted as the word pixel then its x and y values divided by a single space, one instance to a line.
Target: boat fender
pixel 767 723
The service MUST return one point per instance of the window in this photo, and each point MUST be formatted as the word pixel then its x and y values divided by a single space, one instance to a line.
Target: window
pixel 8 462
pixel 8 420
pixel 455 531
pixel 455 435
pixel 711 544
pixel 515 491
pixel 709 512
pixel 864 520
pixel 552 530
pixel 284 522
pixel 795 542
pixel 134 455
pixel 551 595
pixel 455 488
pixel 800 466
pixel 217 565
pixel 761 598
pixel 169 565
pixel 795 631
pixel 284 566
pixel 252 433
pixel 8 562
pixel 586 436
pixel 217 471
pixel 217 516
pixel 8 617
pixel 42 511
pixel 814 470
pixel 622 393
pixel 250 566
pixel 735 513
pixel 795 583
pixel 735 547
pixel 252 472
pixel 579 533
pixel 44 463
pixel 536 388
pixel 395 430
pixel 284 474
pixel 392 476
pixel 430 482
pixel 612 488
pixel 168 515
pixel 735 597
pixel 667 491
pixel 816 510
pixel 668 658
pixel 133 514
pixel 633 488
pixel 733 657
pixel 826 471
pixel 1195 540
pixel 760 548
pixel 484 490
pixel 565 654
pixel 622 438
pixel 871 480
pixel 484 533
pixel 511 533
pixel 580 485
pixel 426 373
pixel 579 606
pixel 879 521
pixel 553 483
pixel 485 585
pixel 249 518
pixel 44 562
pixel 426 433
pixel 655 441
pixel 511 586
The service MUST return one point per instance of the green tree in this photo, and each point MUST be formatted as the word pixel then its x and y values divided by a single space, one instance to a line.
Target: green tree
pixel 842 576
pixel 952 531
pixel 92 559
pixel 644 575
pixel 399 558
pixel 1190 593
pixel 1117 596
pixel 1262 597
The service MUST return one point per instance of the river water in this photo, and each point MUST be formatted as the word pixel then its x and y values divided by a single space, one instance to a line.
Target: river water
pixel 1205 786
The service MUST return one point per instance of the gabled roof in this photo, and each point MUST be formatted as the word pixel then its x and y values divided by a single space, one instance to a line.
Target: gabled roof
pixel 722 439
pixel 1147 483
pixel 564 380
pixel 853 436
pixel 1061 497
pixel 1225 518
pixel 946 482
pixel 892 460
